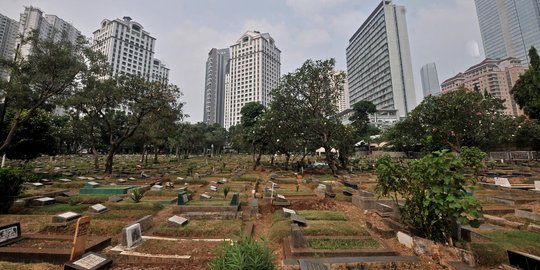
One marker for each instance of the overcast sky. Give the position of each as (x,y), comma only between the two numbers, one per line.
(442,31)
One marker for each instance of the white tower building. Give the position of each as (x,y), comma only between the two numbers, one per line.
(8,39)
(254,72)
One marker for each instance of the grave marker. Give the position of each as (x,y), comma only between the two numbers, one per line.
(82,230)
(503,182)
(205,197)
(309,265)
(183,198)
(298,240)
(115,199)
(213,188)
(405,239)
(131,235)
(90,261)
(98,208)
(43,201)
(157,187)
(235,200)
(300,220)
(64,218)
(536,185)
(176,221)
(37,184)
(288,212)
(64,180)
(10,233)
(523,260)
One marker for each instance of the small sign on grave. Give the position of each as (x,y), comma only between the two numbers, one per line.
(121,180)
(98,208)
(10,233)
(235,200)
(82,229)
(131,235)
(89,261)
(176,221)
(300,220)
(288,212)
(183,198)
(206,197)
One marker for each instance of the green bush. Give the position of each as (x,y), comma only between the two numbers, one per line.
(11,181)
(136,195)
(244,254)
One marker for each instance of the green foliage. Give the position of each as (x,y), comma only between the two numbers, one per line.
(526,91)
(391,177)
(136,195)
(333,244)
(244,254)
(473,158)
(11,185)
(434,193)
(226,190)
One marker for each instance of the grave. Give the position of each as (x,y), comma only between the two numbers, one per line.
(536,186)
(131,235)
(64,218)
(45,181)
(288,212)
(121,180)
(523,260)
(82,229)
(98,209)
(64,180)
(10,233)
(280,200)
(89,261)
(176,221)
(205,196)
(300,220)
(213,188)
(157,188)
(297,238)
(115,199)
(106,190)
(37,184)
(91,184)
(43,201)
(347,193)
(183,198)
(350,184)
(312,265)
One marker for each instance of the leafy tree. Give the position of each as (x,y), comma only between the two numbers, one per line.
(36,81)
(528,134)
(11,185)
(434,192)
(526,91)
(254,132)
(456,119)
(473,158)
(244,254)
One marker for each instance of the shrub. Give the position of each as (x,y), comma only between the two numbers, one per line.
(136,195)
(11,181)
(226,191)
(244,254)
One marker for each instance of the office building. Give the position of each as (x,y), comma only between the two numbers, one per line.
(497,77)
(343,99)
(214,87)
(379,61)
(8,39)
(129,49)
(509,28)
(254,70)
(430,80)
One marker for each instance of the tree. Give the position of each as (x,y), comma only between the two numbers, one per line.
(254,130)
(11,184)
(47,73)
(455,119)
(526,91)
(434,192)
(307,96)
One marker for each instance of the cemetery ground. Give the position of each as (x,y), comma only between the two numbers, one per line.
(183,215)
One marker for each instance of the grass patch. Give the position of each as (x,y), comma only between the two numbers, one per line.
(245,178)
(27,266)
(60,208)
(333,228)
(152,206)
(202,228)
(333,244)
(494,252)
(279,230)
(210,202)
(293,192)
(123,215)
(322,215)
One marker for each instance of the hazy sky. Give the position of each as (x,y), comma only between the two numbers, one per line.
(442,31)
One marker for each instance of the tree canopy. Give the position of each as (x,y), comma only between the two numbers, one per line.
(526,91)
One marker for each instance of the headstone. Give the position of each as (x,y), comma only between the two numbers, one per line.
(180,178)
(329,188)
(82,229)
(81,178)
(310,265)
(502,182)
(98,208)
(37,184)
(176,221)
(205,197)
(131,179)
(157,188)
(92,184)
(89,261)
(273,176)
(121,180)
(273,185)
(43,201)
(300,220)
(115,199)
(64,180)
(298,240)
(183,189)
(350,184)
(45,181)
(131,235)
(288,212)
(235,200)
(10,233)
(537,185)
(65,218)
(183,198)
(347,193)
(523,260)
(281,198)
(213,188)
(405,239)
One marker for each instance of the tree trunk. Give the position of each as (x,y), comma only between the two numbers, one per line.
(96,157)
(156,151)
(257,160)
(110,157)
(272,159)
(330,159)
(11,133)
(142,156)
(287,158)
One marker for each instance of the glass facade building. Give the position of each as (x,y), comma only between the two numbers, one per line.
(214,90)
(509,27)
(430,80)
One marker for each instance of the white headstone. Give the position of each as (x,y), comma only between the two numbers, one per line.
(157,187)
(121,180)
(224,180)
(177,221)
(281,197)
(90,178)
(179,178)
(68,215)
(92,183)
(502,182)
(206,196)
(537,185)
(37,184)
(405,239)
(45,199)
(133,235)
(64,180)
(98,207)
(213,188)
(81,178)
(89,261)
(288,211)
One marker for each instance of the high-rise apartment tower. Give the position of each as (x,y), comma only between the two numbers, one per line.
(430,80)
(214,86)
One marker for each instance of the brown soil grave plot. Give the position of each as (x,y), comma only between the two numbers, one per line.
(29,223)
(204,249)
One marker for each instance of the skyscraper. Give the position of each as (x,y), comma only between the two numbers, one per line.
(129,49)
(254,70)
(379,61)
(430,80)
(509,28)
(8,39)
(214,86)
(46,25)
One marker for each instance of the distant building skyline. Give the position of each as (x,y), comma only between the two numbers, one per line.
(379,61)
(217,66)
(430,80)
(509,28)
(254,70)
(497,77)
(8,38)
